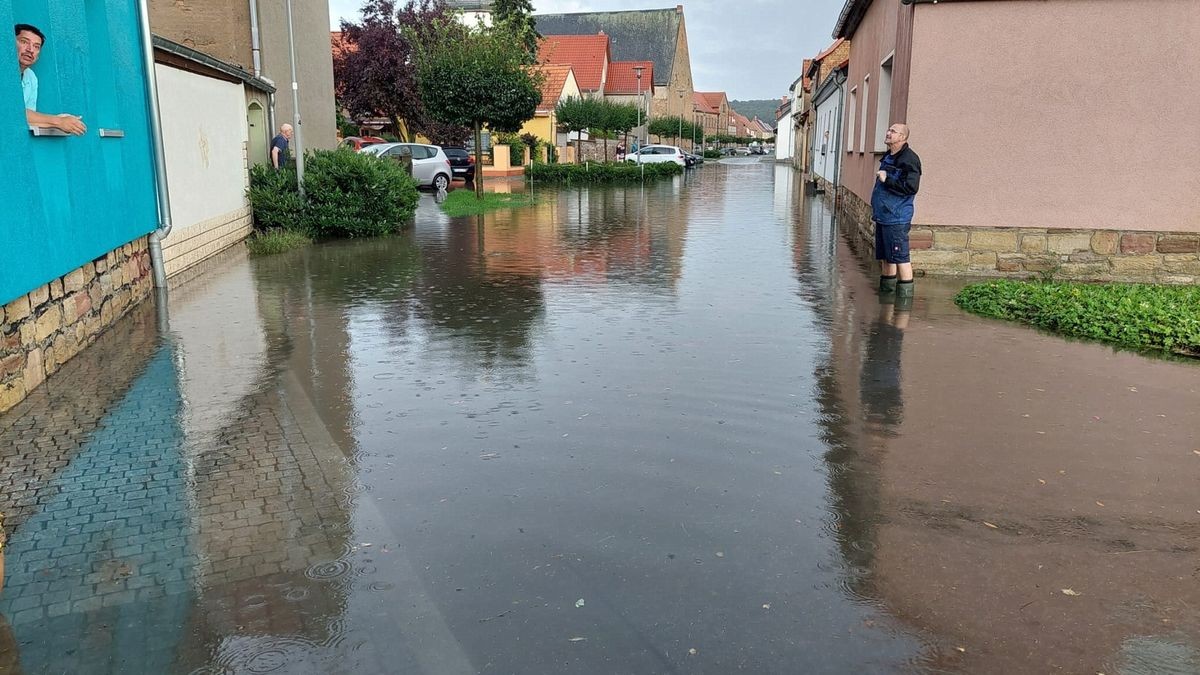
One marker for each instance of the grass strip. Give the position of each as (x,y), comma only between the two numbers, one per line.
(1139,316)
(464,203)
(275,241)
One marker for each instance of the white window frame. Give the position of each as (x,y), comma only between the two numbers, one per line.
(851,118)
(883,105)
(862,124)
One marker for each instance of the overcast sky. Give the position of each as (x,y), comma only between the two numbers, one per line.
(750,49)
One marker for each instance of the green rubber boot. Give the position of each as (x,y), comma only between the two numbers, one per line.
(887,284)
(904,289)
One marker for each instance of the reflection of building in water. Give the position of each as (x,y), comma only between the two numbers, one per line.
(1004,482)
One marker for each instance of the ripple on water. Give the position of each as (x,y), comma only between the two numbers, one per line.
(329,570)
(264,654)
(1150,655)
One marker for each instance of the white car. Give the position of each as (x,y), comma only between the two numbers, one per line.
(651,154)
(430,165)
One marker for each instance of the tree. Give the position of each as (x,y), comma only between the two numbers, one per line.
(516,16)
(616,118)
(476,77)
(374,70)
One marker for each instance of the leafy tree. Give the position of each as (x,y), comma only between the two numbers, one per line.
(516,16)
(476,77)
(374,70)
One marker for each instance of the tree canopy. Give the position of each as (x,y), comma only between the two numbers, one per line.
(475,77)
(375,74)
(516,16)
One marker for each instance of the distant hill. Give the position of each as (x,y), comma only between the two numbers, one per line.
(765,109)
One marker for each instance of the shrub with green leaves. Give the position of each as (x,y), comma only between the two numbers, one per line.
(600,172)
(347,194)
(712,154)
(1140,316)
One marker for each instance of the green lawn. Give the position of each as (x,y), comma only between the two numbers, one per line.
(464,203)
(1140,316)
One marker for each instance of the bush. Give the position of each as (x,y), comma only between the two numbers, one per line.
(348,194)
(1139,316)
(712,154)
(600,172)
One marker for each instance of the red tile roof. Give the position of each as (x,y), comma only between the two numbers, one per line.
(586,54)
(708,101)
(554,78)
(622,79)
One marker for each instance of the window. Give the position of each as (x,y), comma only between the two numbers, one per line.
(883,111)
(862,124)
(850,118)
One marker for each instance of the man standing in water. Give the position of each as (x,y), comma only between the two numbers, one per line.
(896,186)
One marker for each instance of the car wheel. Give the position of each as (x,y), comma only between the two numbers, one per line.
(441,182)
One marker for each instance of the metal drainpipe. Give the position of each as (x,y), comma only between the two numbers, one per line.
(255,48)
(837,159)
(160,160)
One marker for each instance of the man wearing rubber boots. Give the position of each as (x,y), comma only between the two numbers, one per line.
(896,185)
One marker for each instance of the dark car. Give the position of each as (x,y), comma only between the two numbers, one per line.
(461,162)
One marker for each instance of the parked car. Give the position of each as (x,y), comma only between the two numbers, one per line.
(357,143)
(694,159)
(430,165)
(461,162)
(742,152)
(652,154)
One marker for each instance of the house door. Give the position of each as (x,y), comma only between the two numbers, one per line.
(257,120)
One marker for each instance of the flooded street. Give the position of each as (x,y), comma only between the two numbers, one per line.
(659,430)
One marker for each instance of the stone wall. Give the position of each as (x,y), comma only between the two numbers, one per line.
(43,329)
(1070,254)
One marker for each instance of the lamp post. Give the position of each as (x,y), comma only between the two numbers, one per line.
(298,129)
(637,70)
(680,135)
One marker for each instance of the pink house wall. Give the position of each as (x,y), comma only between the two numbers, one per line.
(1058,114)
(872,41)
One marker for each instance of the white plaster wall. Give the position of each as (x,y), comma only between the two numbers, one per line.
(204,129)
(824,163)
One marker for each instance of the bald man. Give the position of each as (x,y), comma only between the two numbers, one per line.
(896,185)
(279,147)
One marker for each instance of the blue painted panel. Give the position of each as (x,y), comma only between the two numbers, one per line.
(67,201)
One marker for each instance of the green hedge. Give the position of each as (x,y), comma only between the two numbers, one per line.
(347,194)
(1165,318)
(600,172)
(712,154)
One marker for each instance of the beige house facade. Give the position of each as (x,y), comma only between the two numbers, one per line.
(1045,151)
(223,28)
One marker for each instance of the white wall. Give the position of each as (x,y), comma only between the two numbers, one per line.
(826,140)
(204,138)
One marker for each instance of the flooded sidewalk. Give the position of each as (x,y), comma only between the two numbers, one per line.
(669,429)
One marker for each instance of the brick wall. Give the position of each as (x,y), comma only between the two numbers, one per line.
(1075,254)
(44,328)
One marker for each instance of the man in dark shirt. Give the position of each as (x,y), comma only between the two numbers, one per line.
(279,147)
(896,185)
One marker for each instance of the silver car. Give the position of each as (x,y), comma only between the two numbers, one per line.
(430,165)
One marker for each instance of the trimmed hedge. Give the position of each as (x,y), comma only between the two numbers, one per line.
(347,194)
(1140,316)
(600,172)
(712,154)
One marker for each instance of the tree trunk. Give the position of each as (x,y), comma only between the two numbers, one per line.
(478,160)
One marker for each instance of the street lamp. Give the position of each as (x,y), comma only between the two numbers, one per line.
(680,135)
(637,70)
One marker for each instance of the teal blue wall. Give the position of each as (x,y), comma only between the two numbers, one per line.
(65,201)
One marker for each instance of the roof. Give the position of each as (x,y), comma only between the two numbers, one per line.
(851,16)
(829,50)
(623,79)
(186,58)
(638,35)
(709,101)
(554,78)
(586,54)
(471,5)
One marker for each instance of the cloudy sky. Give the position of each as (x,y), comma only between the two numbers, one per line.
(751,49)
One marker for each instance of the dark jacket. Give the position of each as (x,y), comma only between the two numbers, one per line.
(892,201)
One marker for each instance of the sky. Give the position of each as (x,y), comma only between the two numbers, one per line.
(750,49)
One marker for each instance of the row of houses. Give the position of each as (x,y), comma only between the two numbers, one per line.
(1049,131)
(180,98)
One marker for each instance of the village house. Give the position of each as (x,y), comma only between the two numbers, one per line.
(1036,158)
(655,35)
(712,112)
(558,83)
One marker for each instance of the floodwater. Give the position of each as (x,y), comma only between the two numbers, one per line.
(659,430)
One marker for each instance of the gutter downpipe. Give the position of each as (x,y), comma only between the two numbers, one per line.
(256,53)
(160,160)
